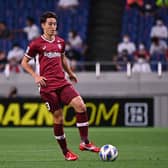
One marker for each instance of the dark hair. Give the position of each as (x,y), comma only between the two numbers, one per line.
(46,15)
(13,92)
(155,40)
(16,44)
(74,32)
(3,22)
(30,19)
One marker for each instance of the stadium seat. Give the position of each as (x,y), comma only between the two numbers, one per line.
(138,27)
(15,15)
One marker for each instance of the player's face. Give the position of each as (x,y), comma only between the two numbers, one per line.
(50,26)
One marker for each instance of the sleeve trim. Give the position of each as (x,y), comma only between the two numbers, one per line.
(28,56)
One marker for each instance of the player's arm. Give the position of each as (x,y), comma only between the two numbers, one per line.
(40,80)
(67,68)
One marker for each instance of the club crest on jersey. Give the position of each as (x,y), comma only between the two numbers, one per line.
(52,54)
(60,46)
(44,48)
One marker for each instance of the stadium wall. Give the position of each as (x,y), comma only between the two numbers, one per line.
(108,85)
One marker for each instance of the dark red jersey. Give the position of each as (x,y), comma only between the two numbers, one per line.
(49,55)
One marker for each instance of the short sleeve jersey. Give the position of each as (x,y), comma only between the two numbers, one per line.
(49,58)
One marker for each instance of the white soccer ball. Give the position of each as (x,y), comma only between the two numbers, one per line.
(108,152)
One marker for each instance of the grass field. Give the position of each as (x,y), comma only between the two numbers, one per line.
(36,148)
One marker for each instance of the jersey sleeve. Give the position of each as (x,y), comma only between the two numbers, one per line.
(62,46)
(31,50)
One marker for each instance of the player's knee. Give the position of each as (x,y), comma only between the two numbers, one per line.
(58,120)
(78,104)
(58,117)
(81,107)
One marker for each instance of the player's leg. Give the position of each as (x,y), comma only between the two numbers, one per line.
(70,96)
(53,105)
(59,131)
(60,135)
(81,117)
(82,123)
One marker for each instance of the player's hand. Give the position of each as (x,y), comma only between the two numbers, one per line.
(40,80)
(73,78)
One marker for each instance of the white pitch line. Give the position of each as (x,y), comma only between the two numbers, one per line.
(35,151)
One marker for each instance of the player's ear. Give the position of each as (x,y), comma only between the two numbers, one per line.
(57,24)
(42,25)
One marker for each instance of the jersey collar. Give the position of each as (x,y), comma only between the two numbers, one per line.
(48,40)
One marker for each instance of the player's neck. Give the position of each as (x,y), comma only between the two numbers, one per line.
(49,38)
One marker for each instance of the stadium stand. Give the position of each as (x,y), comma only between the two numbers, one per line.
(102,36)
(14,13)
(138,26)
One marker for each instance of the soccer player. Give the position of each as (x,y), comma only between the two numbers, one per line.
(55,89)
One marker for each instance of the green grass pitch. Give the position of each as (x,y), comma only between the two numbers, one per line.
(37,148)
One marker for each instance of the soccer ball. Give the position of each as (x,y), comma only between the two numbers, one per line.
(108,152)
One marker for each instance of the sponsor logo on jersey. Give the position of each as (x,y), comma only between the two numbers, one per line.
(52,54)
(59,46)
(44,48)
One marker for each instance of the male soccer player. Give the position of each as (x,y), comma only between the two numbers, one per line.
(54,87)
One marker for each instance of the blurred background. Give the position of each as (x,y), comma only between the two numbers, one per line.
(118,48)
